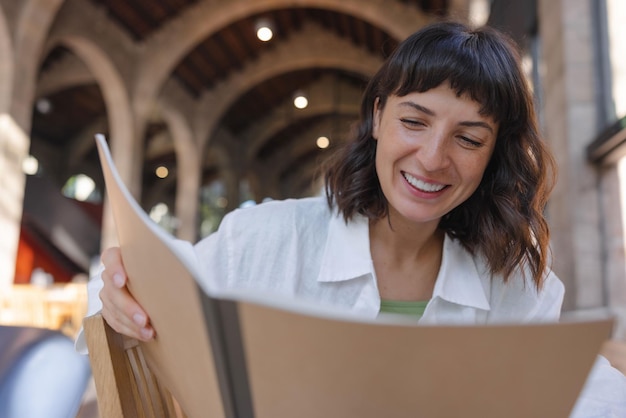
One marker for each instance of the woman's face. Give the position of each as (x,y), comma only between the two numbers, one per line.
(432,151)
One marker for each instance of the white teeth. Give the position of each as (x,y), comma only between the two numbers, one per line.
(422,185)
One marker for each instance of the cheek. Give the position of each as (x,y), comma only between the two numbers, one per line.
(473,169)
(475,172)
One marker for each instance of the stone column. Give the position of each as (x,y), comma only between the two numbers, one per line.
(614,176)
(616,13)
(22,34)
(13,149)
(569,115)
(189,173)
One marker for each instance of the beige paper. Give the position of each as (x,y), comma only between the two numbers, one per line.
(181,355)
(306,367)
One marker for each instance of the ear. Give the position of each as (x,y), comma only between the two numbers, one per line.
(376,114)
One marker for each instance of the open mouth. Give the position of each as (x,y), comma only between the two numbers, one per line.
(422,185)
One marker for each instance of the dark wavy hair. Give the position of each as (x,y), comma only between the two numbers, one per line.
(503,219)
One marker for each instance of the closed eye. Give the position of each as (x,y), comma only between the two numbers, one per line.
(412,122)
(470,142)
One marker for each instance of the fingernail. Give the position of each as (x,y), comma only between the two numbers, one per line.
(146,333)
(139,319)
(118,279)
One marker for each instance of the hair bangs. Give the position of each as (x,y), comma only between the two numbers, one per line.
(471,68)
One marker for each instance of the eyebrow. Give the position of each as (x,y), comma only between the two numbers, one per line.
(479,124)
(429,112)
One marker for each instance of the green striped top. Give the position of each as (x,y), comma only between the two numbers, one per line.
(411,308)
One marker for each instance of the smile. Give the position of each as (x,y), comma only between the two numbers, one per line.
(422,185)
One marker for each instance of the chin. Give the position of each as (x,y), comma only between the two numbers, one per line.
(421,217)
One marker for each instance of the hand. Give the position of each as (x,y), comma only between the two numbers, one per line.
(119,308)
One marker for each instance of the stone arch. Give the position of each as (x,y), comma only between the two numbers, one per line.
(116,100)
(322,101)
(119,113)
(70,72)
(164,50)
(306,141)
(287,57)
(188,170)
(277,166)
(29,43)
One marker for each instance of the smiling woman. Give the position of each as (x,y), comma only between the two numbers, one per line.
(432,151)
(464,111)
(435,205)
(430,158)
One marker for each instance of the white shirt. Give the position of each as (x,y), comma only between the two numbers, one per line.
(301,249)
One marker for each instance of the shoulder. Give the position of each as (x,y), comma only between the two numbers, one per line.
(518,298)
(304,211)
(255,246)
(278,221)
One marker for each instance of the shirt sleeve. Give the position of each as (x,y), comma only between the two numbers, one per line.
(549,300)
(604,393)
(94,305)
(214,257)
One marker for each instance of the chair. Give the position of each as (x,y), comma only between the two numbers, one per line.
(125,385)
(41,375)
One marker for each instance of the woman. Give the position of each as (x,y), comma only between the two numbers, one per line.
(434,208)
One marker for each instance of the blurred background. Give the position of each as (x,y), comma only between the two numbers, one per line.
(216,104)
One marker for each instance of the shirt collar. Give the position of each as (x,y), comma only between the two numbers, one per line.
(347,256)
(347,251)
(459,279)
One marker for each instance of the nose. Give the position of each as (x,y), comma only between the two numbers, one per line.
(434,153)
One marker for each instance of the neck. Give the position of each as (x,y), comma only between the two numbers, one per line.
(406,258)
(405,240)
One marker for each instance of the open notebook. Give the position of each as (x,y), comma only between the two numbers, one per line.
(236,354)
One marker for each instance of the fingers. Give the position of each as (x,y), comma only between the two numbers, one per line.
(113,266)
(119,308)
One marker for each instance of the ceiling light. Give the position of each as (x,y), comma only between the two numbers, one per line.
(299,100)
(44,106)
(322,142)
(264,29)
(162,172)
(30,165)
